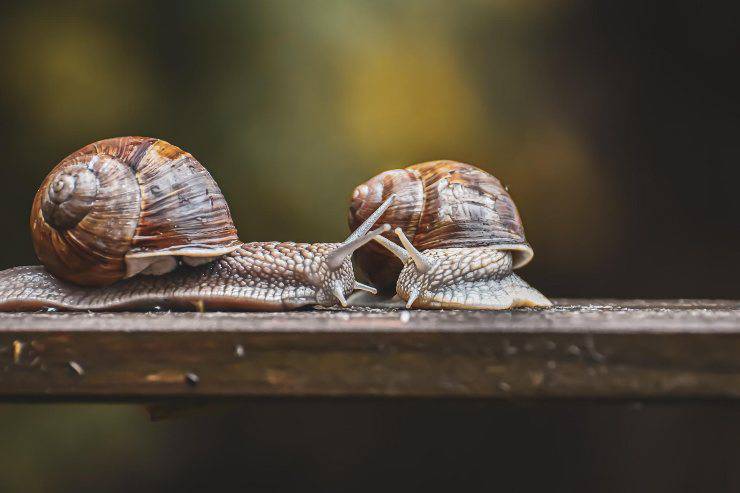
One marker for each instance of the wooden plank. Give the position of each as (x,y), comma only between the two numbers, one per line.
(578,349)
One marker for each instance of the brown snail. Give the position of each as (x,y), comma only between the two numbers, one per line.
(460,237)
(119,209)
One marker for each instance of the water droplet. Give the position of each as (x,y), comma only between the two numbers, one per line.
(17,351)
(405,317)
(504,386)
(239,351)
(50,309)
(76,367)
(192,379)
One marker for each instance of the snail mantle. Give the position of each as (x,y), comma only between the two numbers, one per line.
(589,349)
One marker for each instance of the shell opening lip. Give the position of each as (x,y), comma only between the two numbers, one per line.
(522,253)
(149,262)
(186,251)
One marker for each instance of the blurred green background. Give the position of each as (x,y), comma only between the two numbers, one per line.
(610,124)
(614,124)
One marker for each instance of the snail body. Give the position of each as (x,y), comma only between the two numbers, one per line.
(459,238)
(112,221)
(259,276)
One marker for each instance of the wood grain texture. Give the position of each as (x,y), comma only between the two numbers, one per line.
(578,349)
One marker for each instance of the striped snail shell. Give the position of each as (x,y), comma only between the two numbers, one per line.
(439,204)
(128,205)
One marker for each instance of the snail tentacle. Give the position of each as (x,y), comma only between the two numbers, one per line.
(364,287)
(361,236)
(339,293)
(396,250)
(372,219)
(412,297)
(345,250)
(423,265)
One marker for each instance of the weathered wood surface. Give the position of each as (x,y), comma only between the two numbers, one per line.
(579,349)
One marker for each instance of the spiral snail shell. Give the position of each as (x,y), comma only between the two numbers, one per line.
(461,235)
(127,205)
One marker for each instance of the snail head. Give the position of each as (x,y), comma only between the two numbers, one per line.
(338,280)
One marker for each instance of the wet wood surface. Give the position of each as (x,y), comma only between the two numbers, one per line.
(589,349)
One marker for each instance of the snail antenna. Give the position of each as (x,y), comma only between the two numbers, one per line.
(395,249)
(368,223)
(336,288)
(412,297)
(336,257)
(364,287)
(422,263)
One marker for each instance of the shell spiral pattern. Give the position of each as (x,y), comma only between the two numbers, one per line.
(118,206)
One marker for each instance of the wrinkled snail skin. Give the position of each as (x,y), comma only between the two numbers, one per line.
(462,237)
(468,278)
(258,276)
(270,276)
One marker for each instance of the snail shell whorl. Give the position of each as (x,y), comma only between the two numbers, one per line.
(69,197)
(123,199)
(439,204)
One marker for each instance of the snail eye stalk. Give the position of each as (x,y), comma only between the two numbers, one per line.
(360,236)
(336,258)
(364,287)
(368,223)
(338,294)
(423,264)
(396,250)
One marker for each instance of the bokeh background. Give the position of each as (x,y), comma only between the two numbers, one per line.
(615,125)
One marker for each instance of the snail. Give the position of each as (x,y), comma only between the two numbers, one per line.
(460,237)
(114,222)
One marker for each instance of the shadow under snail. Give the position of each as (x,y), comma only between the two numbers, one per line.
(459,238)
(127,206)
